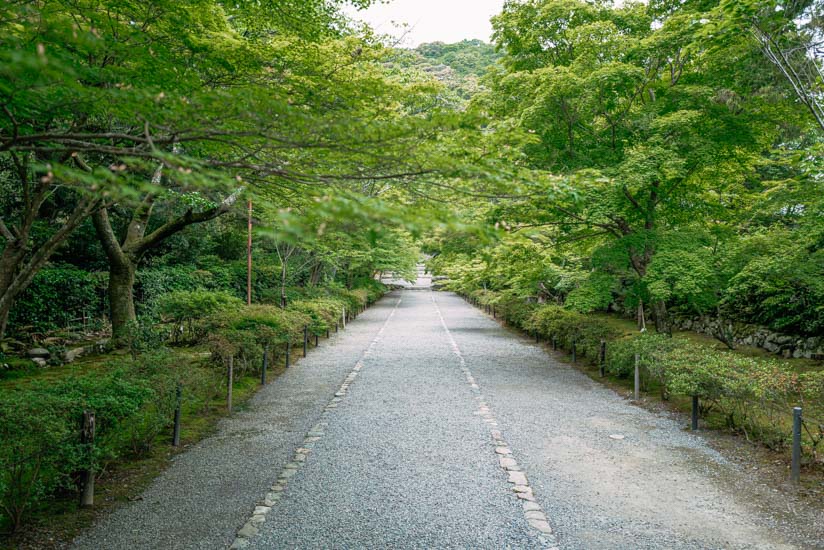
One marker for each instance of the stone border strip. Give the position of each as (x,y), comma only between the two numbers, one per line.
(533,512)
(275,493)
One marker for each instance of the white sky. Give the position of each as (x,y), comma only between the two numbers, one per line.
(432,20)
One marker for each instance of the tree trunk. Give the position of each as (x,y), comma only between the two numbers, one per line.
(121,297)
(659,312)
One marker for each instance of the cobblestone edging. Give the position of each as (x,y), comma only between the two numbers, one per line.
(275,493)
(533,512)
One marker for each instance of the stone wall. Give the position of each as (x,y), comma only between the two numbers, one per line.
(785,345)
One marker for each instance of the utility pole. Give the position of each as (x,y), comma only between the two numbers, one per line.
(249,259)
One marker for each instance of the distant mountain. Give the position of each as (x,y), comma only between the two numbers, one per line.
(468,57)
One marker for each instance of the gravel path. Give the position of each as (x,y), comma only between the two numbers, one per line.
(427,425)
(202,499)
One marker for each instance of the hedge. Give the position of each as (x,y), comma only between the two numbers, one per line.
(752,395)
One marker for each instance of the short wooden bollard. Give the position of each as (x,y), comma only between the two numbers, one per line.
(327,333)
(317,340)
(87,428)
(288,353)
(231,383)
(537,337)
(554,343)
(336,328)
(574,351)
(264,366)
(694,420)
(602,359)
(305,339)
(343,319)
(178,404)
(637,375)
(795,468)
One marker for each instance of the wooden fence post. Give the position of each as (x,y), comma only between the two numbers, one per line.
(178,405)
(87,429)
(231,382)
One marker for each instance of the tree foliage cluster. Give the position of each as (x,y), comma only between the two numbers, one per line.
(681,167)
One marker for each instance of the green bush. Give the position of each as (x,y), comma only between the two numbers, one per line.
(184,307)
(243,333)
(57,298)
(324,313)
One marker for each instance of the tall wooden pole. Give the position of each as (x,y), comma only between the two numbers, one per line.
(249,259)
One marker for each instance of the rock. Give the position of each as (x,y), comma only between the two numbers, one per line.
(503,450)
(531,506)
(239,543)
(616,436)
(247,531)
(40,362)
(518,478)
(40,353)
(507,462)
(535,514)
(261,510)
(72,354)
(541,526)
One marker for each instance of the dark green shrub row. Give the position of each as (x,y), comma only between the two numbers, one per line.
(751,395)
(40,446)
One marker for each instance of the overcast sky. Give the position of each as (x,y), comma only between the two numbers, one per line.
(433,20)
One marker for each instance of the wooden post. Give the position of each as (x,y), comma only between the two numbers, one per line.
(265,365)
(317,340)
(795,468)
(305,338)
(574,351)
(87,429)
(637,375)
(343,319)
(602,360)
(288,352)
(178,404)
(231,382)
(694,423)
(249,259)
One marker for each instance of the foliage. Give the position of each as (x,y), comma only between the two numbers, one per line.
(183,308)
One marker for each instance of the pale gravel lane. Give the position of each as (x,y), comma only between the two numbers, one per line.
(206,495)
(406,462)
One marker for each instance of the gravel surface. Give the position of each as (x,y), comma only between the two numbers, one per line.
(202,499)
(404,461)
(398,436)
(658,487)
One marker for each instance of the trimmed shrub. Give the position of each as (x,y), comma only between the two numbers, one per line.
(184,307)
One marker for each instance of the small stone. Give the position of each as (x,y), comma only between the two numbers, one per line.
(272,497)
(239,543)
(526,496)
(248,530)
(257,519)
(531,506)
(39,352)
(507,462)
(292,466)
(302,450)
(299,457)
(503,450)
(278,487)
(518,478)
(541,526)
(267,502)
(616,436)
(72,354)
(261,510)
(286,474)
(40,362)
(311,439)
(535,514)
(496,434)
(522,488)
